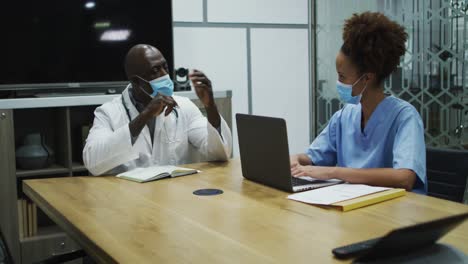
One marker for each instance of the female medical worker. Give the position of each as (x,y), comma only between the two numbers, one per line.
(375,139)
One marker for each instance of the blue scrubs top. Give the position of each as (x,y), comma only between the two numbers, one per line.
(392,138)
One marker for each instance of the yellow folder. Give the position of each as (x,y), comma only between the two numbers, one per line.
(369,199)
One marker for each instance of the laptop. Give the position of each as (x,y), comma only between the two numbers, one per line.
(264,153)
(410,241)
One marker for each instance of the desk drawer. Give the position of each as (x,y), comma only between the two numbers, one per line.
(39,248)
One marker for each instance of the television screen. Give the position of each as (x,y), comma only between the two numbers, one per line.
(78,41)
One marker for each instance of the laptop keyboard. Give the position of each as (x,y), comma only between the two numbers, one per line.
(299,181)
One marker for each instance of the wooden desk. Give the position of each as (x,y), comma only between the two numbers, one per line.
(116,220)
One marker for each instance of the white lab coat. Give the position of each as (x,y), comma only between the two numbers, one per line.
(184,139)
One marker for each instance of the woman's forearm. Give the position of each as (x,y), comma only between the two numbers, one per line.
(302,159)
(398,178)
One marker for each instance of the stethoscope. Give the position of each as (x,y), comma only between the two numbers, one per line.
(127,110)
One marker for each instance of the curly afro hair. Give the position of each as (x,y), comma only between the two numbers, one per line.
(373,43)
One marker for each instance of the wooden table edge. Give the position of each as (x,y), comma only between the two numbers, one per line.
(88,245)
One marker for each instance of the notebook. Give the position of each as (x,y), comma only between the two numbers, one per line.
(155,173)
(369,199)
(347,196)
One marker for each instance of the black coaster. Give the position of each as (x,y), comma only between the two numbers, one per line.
(208,192)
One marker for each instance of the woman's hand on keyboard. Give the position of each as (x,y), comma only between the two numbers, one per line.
(317,172)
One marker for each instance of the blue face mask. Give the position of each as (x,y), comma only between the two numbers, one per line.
(163,85)
(345,91)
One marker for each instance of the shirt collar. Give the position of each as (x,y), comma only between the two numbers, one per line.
(138,105)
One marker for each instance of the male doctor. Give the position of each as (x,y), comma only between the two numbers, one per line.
(148,125)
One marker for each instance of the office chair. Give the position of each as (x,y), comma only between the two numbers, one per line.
(447,173)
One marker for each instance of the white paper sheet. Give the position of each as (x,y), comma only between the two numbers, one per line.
(335,193)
